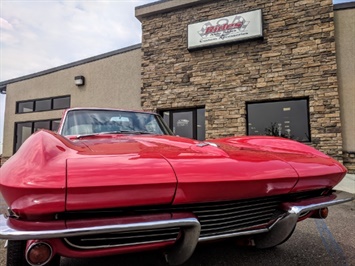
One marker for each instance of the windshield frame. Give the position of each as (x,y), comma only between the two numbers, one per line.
(163,129)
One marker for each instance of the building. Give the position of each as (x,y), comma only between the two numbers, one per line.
(37,101)
(215,69)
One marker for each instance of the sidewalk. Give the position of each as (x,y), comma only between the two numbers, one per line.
(347,184)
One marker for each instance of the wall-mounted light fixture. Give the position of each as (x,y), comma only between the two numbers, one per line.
(3,90)
(79,80)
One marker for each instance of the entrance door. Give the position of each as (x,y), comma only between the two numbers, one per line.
(182,124)
(189,123)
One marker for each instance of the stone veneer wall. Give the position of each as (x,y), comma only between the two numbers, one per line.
(295,59)
(349,161)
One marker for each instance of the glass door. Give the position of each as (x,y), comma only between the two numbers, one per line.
(183,124)
(189,123)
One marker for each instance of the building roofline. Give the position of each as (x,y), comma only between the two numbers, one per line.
(342,6)
(164,6)
(70,65)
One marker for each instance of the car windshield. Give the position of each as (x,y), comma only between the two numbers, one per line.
(89,122)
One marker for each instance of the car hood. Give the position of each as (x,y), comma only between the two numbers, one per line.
(51,174)
(146,169)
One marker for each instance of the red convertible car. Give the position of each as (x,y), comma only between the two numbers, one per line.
(113,181)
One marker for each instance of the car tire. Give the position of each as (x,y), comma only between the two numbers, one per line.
(16,254)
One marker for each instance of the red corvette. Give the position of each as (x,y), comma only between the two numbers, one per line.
(114,181)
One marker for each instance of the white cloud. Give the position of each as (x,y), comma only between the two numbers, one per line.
(37,35)
(4,24)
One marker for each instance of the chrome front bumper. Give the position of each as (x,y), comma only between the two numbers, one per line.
(187,222)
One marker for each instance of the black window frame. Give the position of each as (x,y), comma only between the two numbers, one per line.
(32,128)
(34,101)
(194,118)
(282,100)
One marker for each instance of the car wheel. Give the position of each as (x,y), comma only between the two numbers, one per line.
(16,254)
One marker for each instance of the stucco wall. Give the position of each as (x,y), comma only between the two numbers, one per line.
(110,82)
(345,47)
(296,58)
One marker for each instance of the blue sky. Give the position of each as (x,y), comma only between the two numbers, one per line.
(41,34)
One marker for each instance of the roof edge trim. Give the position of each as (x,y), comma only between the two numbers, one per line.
(341,6)
(164,6)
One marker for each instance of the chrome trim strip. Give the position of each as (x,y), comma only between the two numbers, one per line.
(178,254)
(139,237)
(115,246)
(6,232)
(241,233)
(337,197)
(229,226)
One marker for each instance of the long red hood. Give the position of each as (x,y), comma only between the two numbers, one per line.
(232,168)
(112,171)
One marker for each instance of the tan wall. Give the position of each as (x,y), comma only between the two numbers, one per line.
(110,82)
(345,47)
(345,51)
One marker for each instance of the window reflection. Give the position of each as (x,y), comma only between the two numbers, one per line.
(25,107)
(61,103)
(288,119)
(43,105)
(189,123)
(23,131)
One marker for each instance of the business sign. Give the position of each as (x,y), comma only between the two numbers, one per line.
(235,28)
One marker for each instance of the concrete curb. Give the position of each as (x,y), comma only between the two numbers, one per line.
(347,184)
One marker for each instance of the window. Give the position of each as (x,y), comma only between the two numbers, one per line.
(289,119)
(61,103)
(25,107)
(41,125)
(24,129)
(189,123)
(55,125)
(47,104)
(43,105)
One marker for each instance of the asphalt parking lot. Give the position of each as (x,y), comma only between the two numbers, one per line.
(315,242)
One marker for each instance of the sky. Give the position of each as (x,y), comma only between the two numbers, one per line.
(36,35)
